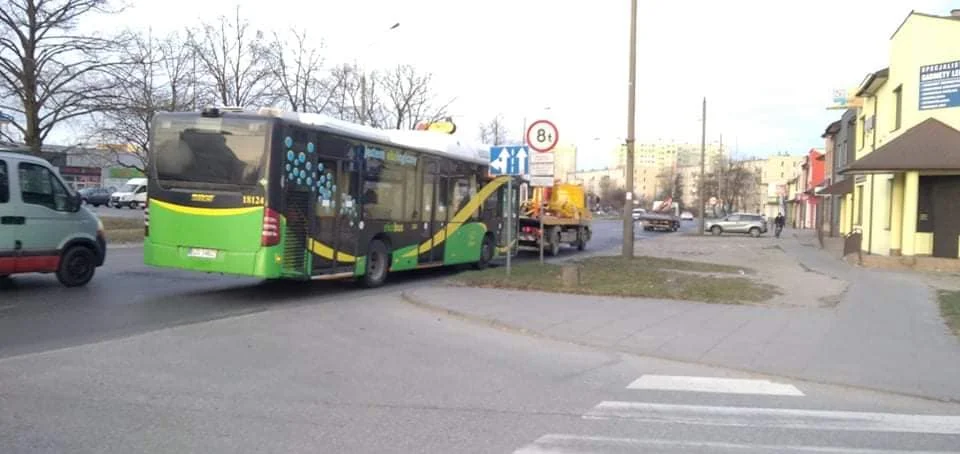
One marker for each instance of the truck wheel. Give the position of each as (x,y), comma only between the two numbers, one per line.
(583,235)
(555,243)
(77,267)
(486,253)
(378,263)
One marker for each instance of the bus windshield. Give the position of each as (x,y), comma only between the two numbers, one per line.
(199,152)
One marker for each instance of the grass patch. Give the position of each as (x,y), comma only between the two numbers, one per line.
(125,235)
(646,277)
(950,309)
(118,223)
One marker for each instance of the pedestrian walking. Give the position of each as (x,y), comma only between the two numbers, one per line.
(778,223)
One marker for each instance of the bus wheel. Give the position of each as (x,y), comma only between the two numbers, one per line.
(378,262)
(486,253)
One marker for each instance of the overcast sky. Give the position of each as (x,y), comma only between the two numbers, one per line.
(766,67)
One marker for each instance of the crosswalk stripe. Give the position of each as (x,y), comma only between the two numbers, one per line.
(714,385)
(570,444)
(775,418)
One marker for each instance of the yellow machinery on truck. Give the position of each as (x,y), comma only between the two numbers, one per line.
(564,214)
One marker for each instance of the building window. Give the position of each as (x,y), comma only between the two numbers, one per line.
(898,96)
(863,132)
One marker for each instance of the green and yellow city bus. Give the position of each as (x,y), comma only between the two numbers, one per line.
(285,195)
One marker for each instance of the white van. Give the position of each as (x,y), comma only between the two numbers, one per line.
(133,194)
(44,227)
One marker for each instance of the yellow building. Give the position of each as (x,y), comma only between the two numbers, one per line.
(775,173)
(907,168)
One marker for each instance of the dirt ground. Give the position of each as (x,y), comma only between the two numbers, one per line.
(799,286)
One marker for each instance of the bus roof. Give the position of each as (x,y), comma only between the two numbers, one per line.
(432,142)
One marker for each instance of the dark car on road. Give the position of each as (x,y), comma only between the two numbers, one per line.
(96,196)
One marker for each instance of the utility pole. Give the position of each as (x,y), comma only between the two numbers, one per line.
(703,166)
(631,125)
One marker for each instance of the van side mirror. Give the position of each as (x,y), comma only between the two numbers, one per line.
(74,202)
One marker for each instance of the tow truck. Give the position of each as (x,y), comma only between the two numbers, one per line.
(562,209)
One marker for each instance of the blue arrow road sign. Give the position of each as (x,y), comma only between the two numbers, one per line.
(512,160)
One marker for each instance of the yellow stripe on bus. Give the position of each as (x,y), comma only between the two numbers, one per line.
(462,215)
(204,211)
(328,252)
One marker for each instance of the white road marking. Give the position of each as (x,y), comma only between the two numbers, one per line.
(776,418)
(714,385)
(570,444)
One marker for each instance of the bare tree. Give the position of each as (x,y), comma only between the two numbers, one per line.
(356,95)
(160,80)
(494,132)
(297,67)
(410,98)
(48,73)
(235,61)
(732,183)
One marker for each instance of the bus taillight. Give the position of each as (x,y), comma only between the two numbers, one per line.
(270,235)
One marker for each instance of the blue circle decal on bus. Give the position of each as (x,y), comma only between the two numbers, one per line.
(309,181)
(303,173)
(309,166)
(288,167)
(288,142)
(289,155)
(303,157)
(320,166)
(299,181)
(310,147)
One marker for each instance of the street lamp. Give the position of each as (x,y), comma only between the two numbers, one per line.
(631,125)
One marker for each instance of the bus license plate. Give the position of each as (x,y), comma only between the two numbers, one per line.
(202,253)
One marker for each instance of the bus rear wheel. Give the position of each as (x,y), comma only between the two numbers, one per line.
(378,262)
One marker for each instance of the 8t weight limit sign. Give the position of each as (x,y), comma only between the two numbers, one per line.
(542,136)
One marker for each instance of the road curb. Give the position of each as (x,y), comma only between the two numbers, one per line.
(408,297)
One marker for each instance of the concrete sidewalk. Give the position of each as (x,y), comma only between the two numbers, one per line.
(885,334)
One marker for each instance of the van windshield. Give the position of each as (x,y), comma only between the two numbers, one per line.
(128,187)
(200,152)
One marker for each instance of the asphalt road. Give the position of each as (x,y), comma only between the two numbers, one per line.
(375,375)
(127,364)
(108,212)
(126,297)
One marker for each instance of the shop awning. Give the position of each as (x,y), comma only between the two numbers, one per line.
(842,187)
(928,146)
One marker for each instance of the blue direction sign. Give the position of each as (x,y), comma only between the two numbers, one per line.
(511,160)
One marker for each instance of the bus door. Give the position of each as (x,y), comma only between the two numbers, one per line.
(335,220)
(428,211)
(296,211)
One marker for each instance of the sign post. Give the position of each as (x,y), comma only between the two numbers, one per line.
(542,136)
(512,161)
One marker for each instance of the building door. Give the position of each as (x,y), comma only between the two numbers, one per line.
(946,217)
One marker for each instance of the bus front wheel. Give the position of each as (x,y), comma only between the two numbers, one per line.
(378,262)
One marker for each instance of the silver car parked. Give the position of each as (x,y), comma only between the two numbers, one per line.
(753,224)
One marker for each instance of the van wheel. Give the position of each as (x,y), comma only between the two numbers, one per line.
(76,267)
(486,253)
(378,262)
(134,205)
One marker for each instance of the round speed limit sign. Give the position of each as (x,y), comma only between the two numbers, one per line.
(542,136)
